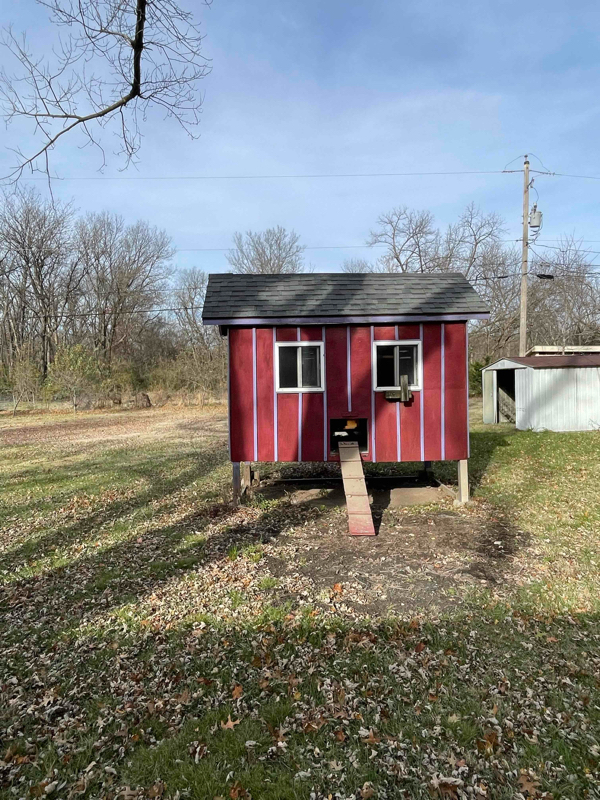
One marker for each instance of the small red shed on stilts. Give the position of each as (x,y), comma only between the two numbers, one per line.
(318,359)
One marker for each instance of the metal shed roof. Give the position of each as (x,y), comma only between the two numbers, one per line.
(328,297)
(551,362)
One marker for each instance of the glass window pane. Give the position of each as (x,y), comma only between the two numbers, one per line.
(288,367)
(407,356)
(311,367)
(385,365)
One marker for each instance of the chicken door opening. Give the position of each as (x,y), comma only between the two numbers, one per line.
(348,430)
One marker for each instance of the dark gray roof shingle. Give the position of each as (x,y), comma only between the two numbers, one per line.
(324,294)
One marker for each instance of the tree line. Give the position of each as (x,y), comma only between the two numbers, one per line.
(93,309)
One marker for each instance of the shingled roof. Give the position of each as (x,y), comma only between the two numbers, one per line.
(329,297)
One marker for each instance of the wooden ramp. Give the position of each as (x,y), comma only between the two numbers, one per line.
(360,521)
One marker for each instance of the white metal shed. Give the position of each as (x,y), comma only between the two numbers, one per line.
(546,392)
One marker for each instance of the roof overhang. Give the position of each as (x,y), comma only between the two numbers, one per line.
(354,320)
(505,363)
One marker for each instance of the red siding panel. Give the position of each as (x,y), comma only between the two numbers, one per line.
(408,332)
(265,393)
(312,426)
(287,334)
(456,419)
(382,333)
(287,426)
(432,396)
(311,333)
(386,441)
(241,394)
(360,363)
(336,366)
(410,429)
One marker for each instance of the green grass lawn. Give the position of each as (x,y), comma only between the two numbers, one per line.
(149,650)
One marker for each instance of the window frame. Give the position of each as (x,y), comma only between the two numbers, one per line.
(414,387)
(300,389)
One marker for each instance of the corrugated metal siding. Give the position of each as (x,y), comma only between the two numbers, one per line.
(558,399)
(522,399)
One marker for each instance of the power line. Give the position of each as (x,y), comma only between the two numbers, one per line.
(271,177)
(358,246)
(554,247)
(315,175)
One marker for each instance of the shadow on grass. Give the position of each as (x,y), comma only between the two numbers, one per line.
(161,481)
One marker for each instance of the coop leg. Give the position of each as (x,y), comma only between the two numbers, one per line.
(237,483)
(427,472)
(246,477)
(463,481)
(255,477)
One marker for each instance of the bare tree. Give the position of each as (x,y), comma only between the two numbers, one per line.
(274,251)
(409,237)
(119,59)
(469,245)
(24,378)
(126,269)
(360,265)
(46,273)
(499,282)
(413,243)
(201,365)
(565,310)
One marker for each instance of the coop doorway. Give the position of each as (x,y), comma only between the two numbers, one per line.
(506,410)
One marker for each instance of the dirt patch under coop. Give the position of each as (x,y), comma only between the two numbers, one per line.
(423,559)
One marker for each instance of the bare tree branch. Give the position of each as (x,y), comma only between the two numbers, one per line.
(119,58)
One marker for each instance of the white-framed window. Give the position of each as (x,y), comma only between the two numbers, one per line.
(299,366)
(393,359)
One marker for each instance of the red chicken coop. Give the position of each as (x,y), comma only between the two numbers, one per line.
(352,367)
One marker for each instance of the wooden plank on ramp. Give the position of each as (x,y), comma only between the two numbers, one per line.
(360,521)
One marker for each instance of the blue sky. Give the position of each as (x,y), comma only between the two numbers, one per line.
(325,86)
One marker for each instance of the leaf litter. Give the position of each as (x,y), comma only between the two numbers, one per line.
(129,641)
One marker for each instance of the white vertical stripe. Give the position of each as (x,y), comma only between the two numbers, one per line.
(299,426)
(467,359)
(254,394)
(348,368)
(373,453)
(275,442)
(325,420)
(298,333)
(228,394)
(422,401)
(398,445)
(443,393)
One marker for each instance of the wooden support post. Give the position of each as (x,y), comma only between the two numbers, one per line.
(255,477)
(237,483)
(426,472)
(241,480)
(246,477)
(463,481)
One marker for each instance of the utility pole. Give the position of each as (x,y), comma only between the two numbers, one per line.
(524,261)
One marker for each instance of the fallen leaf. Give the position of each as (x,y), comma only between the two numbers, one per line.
(371,738)
(528,784)
(230,724)
(237,691)
(237,792)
